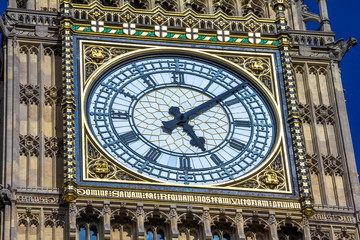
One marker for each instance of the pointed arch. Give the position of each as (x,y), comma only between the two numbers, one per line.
(199,6)
(169,5)
(255,6)
(227,6)
(141,4)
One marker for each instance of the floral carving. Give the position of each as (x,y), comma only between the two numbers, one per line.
(325,114)
(52,146)
(100,167)
(54,220)
(272,177)
(260,67)
(333,165)
(305,114)
(227,6)
(312,163)
(52,95)
(169,5)
(29,94)
(29,145)
(28,218)
(319,235)
(95,56)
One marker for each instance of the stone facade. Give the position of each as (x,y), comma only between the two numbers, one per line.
(36,200)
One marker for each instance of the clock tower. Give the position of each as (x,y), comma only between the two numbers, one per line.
(174,120)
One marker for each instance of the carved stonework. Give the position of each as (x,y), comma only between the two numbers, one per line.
(312,163)
(260,67)
(141,4)
(54,220)
(52,95)
(29,94)
(198,6)
(320,235)
(28,218)
(344,234)
(101,168)
(304,111)
(52,146)
(325,114)
(227,6)
(21,3)
(253,6)
(333,165)
(95,56)
(5,195)
(339,48)
(272,177)
(333,217)
(169,5)
(29,145)
(20,198)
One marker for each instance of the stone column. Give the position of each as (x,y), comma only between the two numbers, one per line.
(72,221)
(273,227)
(174,223)
(346,136)
(239,222)
(12,4)
(296,15)
(324,16)
(206,222)
(306,228)
(107,214)
(30,4)
(140,219)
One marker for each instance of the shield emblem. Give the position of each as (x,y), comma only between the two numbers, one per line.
(129,28)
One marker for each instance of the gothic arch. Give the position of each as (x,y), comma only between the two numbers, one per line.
(141,4)
(199,6)
(255,6)
(227,6)
(169,5)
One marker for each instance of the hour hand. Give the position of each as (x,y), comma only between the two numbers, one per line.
(169,126)
(195,140)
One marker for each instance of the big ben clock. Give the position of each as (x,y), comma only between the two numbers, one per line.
(181,119)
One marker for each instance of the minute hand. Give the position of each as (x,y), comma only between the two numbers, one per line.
(193,113)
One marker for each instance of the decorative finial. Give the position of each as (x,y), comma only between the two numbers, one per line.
(218,6)
(157,2)
(188,3)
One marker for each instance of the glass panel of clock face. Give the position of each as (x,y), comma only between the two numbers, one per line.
(181,120)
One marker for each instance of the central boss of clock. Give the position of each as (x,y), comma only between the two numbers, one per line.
(181,120)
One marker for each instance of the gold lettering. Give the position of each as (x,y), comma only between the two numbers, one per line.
(226,201)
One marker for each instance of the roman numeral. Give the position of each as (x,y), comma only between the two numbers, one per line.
(178,77)
(232,102)
(237,145)
(216,159)
(152,155)
(148,80)
(185,163)
(240,123)
(129,137)
(119,114)
(127,94)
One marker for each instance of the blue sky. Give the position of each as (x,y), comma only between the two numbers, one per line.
(344,22)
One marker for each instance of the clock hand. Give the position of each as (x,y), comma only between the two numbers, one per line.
(193,113)
(169,126)
(195,140)
(178,120)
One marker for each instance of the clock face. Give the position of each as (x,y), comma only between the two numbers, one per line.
(181,120)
